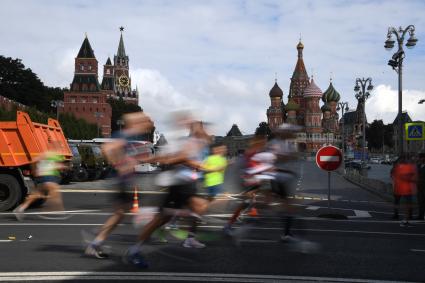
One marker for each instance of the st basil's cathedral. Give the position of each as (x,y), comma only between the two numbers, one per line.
(320,124)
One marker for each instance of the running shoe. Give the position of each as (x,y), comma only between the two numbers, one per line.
(95,251)
(19,213)
(288,239)
(191,242)
(135,259)
(405,224)
(227,230)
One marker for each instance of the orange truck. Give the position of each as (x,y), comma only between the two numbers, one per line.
(21,142)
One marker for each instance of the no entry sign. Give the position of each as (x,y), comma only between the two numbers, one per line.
(329,158)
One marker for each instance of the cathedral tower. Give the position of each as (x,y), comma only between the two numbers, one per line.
(275,112)
(299,82)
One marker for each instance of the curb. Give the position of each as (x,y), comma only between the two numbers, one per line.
(384,196)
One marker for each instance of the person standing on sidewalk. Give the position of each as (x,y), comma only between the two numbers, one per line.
(404,175)
(421,186)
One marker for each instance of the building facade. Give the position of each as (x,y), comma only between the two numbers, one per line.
(409,146)
(303,108)
(87,98)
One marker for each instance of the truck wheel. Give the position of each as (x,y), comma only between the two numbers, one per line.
(81,176)
(10,192)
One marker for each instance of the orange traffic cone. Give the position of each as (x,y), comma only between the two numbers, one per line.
(253,212)
(135,207)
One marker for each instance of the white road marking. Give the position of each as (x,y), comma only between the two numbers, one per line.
(329,158)
(312,207)
(416,250)
(169,276)
(220,227)
(360,214)
(5,241)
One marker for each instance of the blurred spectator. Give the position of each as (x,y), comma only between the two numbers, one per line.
(404,176)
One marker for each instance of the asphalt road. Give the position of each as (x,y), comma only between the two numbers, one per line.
(364,246)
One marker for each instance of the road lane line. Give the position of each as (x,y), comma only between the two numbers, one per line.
(417,250)
(360,214)
(220,227)
(313,208)
(170,276)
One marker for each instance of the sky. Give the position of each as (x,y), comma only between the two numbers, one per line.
(220,58)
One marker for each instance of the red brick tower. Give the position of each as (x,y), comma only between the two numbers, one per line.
(275,112)
(299,82)
(85,99)
(122,79)
(108,83)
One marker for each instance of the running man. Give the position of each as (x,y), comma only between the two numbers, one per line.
(123,157)
(214,167)
(249,183)
(46,170)
(182,158)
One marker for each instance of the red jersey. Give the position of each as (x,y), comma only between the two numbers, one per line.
(404,177)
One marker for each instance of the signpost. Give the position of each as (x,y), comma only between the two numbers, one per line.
(415,131)
(329,158)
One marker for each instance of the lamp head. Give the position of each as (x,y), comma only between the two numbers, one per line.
(389,43)
(411,42)
(357,87)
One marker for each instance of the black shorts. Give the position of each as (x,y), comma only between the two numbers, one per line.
(125,191)
(179,195)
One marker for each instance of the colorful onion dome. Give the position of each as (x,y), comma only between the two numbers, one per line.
(326,108)
(292,105)
(276,91)
(312,90)
(331,95)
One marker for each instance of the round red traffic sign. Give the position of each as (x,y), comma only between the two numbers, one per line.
(329,158)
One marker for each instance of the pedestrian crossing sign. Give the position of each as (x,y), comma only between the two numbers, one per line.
(414,131)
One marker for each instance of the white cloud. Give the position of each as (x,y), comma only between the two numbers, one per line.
(383,104)
(222,101)
(220,57)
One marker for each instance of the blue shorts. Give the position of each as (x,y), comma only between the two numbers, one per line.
(214,190)
(47,179)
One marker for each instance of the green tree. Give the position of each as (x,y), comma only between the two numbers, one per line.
(377,134)
(120,107)
(74,128)
(263,129)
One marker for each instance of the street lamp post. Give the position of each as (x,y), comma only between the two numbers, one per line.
(397,64)
(98,115)
(362,88)
(56,104)
(343,106)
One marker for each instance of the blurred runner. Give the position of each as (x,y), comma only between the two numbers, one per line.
(214,167)
(46,170)
(249,183)
(182,157)
(283,146)
(123,157)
